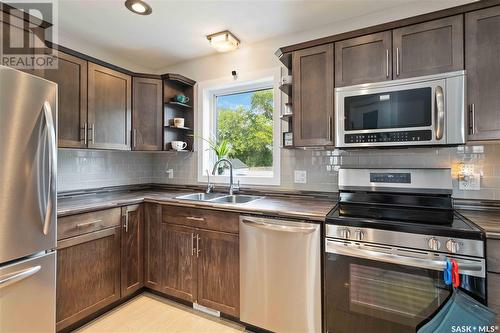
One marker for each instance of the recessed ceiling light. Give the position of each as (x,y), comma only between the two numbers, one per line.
(223,41)
(138,7)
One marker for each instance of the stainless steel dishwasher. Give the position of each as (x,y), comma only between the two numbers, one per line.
(280,274)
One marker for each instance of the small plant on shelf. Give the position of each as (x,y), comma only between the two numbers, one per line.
(221,147)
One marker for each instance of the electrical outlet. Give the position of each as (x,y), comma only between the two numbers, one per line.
(170,173)
(300,176)
(469,179)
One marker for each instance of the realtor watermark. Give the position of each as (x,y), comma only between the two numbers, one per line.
(27,25)
(474,329)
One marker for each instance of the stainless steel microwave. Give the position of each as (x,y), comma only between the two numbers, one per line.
(426,110)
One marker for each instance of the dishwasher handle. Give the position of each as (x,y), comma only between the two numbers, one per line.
(279,225)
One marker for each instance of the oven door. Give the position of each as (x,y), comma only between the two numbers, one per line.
(370,288)
(410,112)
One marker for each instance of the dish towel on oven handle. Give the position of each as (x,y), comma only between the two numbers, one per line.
(460,310)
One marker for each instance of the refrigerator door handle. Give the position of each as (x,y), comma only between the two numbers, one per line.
(51,134)
(12,278)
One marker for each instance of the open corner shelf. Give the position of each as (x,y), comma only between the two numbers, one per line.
(179,128)
(180,105)
(286,88)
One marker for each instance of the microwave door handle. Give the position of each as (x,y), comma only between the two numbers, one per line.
(439,112)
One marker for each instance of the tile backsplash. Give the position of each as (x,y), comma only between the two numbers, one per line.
(81,169)
(86,169)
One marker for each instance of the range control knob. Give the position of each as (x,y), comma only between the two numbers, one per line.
(345,233)
(452,246)
(359,235)
(434,244)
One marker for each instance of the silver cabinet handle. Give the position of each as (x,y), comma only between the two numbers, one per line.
(125,225)
(92,135)
(472,125)
(12,278)
(51,133)
(84,139)
(87,224)
(397,61)
(134,138)
(279,225)
(192,244)
(466,266)
(197,245)
(195,218)
(439,112)
(330,123)
(387,63)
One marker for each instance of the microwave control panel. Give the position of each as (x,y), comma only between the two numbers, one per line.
(399,136)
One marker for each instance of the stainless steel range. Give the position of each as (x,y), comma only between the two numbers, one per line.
(386,244)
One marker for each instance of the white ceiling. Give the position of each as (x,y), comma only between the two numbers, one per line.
(176,30)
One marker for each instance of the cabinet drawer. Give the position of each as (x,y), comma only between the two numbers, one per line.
(493,253)
(75,225)
(201,218)
(494,292)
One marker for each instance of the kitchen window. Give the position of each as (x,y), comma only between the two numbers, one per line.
(240,118)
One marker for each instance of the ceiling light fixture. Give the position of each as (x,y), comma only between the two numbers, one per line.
(138,7)
(223,41)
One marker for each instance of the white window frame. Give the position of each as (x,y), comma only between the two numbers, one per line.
(206,122)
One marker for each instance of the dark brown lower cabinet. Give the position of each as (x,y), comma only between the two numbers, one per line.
(132,269)
(218,271)
(200,265)
(178,261)
(88,274)
(152,246)
(494,292)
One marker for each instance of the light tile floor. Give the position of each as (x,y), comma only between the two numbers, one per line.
(149,313)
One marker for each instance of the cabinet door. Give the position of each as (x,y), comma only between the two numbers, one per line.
(482,48)
(88,275)
(109,105)
(132,271)
(494,292)
(179,265)
(429,48)
(312,71)
(218,271)
(147,122)
(363,59)
(71,79)
(153,255)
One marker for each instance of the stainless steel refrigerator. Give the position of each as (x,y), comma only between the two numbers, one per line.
(28,164)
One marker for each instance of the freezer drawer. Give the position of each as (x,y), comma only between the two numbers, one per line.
(280,275)
(28,295)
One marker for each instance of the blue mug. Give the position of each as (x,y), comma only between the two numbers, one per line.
(180,99)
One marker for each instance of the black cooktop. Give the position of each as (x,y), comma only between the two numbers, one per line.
(430,215)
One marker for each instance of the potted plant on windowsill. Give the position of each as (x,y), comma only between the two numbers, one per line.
(221,148)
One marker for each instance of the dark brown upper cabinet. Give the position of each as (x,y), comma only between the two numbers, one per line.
(147,122)
(71,79)
(429,48)
(312,96)
(363,59)
(132,267)
(482,50)
(109,108)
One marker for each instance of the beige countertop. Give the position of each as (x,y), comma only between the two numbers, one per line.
(285,206)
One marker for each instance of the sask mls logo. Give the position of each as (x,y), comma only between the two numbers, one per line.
(25,28)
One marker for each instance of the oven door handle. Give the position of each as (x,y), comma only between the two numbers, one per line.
(466,266)
(439,112)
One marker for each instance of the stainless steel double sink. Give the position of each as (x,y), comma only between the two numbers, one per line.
(219,198)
